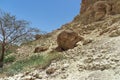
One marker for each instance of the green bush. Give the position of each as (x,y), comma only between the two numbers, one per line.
(38,61)
(15,68)
(8,52)
(9,59)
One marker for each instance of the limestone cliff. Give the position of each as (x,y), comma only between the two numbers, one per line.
(95,10)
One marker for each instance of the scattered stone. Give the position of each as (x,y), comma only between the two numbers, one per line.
(27,72)
(28,78)
(64,76)
(40,49)
(50,71)
(87,41)
(38,76)
(80,67)
(100,75)
(115,33)
(88,60)
(65,66)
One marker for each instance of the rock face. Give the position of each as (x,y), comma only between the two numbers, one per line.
(101,9)
(67,40)
(94,10)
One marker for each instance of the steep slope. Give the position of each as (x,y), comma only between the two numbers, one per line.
(97,57)
(94,10)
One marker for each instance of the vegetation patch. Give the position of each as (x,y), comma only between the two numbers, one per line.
(38,61)
(9,59)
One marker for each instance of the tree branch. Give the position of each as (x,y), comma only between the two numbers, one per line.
(11,32)
(17,37)
(2,29)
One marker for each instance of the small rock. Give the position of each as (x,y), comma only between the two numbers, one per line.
(115,33)
(80,67)
(66,65)
(50,71)
(88,60)
(26,73)
(40,49)
(87,41)
(38,76)
(64,76)
(28,78)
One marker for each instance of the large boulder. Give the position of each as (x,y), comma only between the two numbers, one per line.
(67,39)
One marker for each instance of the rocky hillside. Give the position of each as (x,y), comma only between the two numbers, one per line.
(95,57)
(94,10)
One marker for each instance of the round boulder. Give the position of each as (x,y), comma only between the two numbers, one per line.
(67,39)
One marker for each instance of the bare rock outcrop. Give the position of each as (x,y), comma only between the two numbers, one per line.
(94,10)
(101,9)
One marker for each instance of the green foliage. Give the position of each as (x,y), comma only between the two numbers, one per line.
(38,61)
(9,59)
(8,52)
(18,66)
(15,68)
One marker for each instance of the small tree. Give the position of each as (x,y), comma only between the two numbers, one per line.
(13,31)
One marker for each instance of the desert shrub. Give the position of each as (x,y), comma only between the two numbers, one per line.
(18,66)
(9,59)
(15,68)
(35,61)
(8,52)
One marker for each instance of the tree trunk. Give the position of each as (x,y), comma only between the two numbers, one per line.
(2,55)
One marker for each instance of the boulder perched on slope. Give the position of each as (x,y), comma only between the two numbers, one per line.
(67,39)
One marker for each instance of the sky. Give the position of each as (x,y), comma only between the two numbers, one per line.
(46,15)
